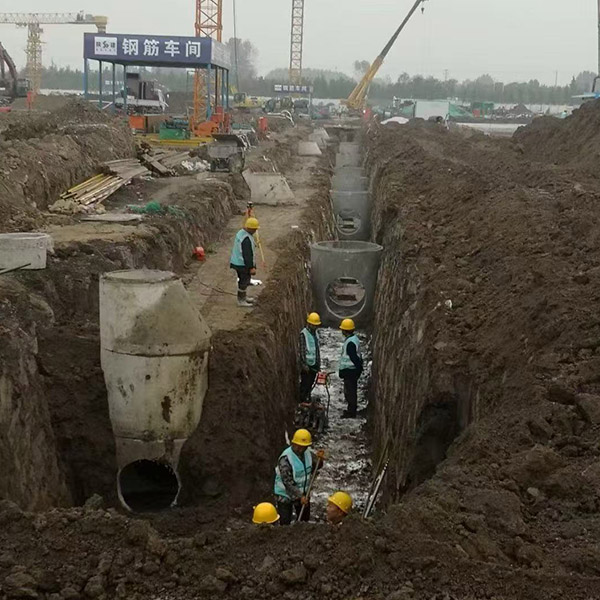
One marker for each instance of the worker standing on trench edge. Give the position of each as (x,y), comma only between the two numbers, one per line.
(310,356)
(243,260)
(350,367)
(293,475)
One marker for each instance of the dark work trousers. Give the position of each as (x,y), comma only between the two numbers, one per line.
(307,380)
(287,509)
(351,377)
(244,277)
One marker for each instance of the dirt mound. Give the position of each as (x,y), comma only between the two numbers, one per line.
(490,272)
(574,141)
(43,156)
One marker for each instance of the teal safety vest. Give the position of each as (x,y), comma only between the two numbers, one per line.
(237,258)
(311,347)
(302,471)
(345,362)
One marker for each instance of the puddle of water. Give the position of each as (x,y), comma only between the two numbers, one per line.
(347,458)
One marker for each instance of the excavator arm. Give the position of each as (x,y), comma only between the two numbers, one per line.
(7,63)
(357,98)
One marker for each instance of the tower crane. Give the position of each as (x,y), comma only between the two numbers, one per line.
(357,98)
(209,23)
(297,41)
(33,22)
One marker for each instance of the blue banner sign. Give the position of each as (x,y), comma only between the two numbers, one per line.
(293,89)
(156,50)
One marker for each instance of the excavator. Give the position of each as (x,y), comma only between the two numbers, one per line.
(11,86)
(357,99)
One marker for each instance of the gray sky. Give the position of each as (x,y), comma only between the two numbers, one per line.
(509,39)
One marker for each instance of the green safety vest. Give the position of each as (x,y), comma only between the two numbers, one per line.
(345,362)
(302,471)
(311,347)
(237,257)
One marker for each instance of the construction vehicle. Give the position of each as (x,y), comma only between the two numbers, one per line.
(11,85)
(242,101)
(358,97)
(227,152)
(143,97)
(33,22)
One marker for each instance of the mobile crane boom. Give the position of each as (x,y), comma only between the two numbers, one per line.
(357,98)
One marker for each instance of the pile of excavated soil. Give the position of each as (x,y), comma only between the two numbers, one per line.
(574,141)
(44,155)
(490,276)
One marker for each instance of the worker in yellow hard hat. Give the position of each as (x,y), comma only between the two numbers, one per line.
(309,355)
(339,506)
(293,475)
(350,367)
(265,512)
(243,260)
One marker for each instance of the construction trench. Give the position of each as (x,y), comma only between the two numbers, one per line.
(471,265)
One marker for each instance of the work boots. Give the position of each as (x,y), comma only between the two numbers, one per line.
(243,300)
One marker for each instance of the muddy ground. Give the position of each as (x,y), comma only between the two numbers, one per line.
(485,389)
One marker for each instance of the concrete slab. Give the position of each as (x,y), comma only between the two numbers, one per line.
(268,188)
(308,149)
(319,140)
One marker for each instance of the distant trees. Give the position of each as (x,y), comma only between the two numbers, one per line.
(243,62)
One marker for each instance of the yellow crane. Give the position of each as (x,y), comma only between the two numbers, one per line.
(358,97)
(33,22)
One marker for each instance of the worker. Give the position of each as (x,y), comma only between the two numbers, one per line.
(339,506)
(350,367)
(243,260)
(310,356)
(265,512)
(293,475)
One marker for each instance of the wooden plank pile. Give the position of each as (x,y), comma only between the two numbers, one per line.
(89,195)
(163,162)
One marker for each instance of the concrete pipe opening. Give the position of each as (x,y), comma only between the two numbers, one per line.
(348,222)
(345,297)
(148,486)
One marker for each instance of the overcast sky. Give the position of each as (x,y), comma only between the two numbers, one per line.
(509,39)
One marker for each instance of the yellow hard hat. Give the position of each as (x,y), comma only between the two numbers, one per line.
(251,223)
(302,437)
(314,319)
(342,500)
(347,325)
(265,512)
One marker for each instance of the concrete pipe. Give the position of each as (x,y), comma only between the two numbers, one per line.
(348,160)
(154,353)
(349,179)
(344,278)
(352,214)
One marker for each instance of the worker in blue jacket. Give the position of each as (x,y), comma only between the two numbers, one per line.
(243,260)
(350,367)
(293,474)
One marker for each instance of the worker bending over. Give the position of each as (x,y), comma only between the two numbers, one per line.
(339,506)
(350,367)
(310,356)
(243,259)
(293,475)
(265,513)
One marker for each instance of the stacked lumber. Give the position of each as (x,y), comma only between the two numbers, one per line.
(163,162)
(89,195)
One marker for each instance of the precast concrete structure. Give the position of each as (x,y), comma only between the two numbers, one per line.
(344,278)
(154,354)
(352,214)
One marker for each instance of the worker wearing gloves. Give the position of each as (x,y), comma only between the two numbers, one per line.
(339,506)
(243,259)
(265,513)
(310,356)
(350,367)
(293,476)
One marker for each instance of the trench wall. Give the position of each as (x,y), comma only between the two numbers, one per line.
(57,445)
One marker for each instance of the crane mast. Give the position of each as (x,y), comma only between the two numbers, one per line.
(209,23)
(33,22)
(297,41)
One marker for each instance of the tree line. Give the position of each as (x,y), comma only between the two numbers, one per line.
(334,84)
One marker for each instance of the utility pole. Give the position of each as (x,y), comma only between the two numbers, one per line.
(598,73)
